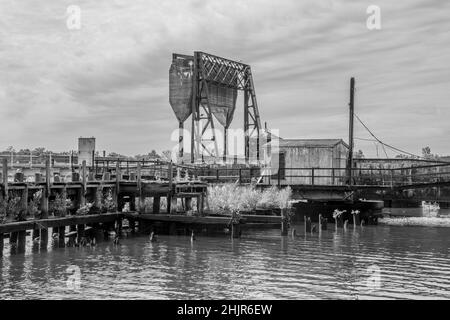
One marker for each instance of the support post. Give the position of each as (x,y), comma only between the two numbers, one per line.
(180,141)
(139,188)
(284,222)
(1,244)
(80,232)
(156,204)
(62,235)
(170,194)
(117,188)
(44,204)
(235,227)
(225,144)
(350,131)
(188,203)
(84,187)
(21,241)
(322,223)
(5,177)
(356,219)
(307,224)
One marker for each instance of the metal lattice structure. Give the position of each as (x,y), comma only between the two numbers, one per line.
(210,71)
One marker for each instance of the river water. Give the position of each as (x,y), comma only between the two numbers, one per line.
(369,262)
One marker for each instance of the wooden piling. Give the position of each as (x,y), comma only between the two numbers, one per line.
(13,238)
(80,232)
(322,223)
(106,176)
(188,203)
(156,204)
(84,187)
(307,224)
(339,221)
(284,222)
(62,235)
(170,193)
(132,225)
(1,244)
(119,227)
(356,219)
(173,205)
(44,204)
(5,177)
(139,189)
(117,188)
(235,230)
(21,241)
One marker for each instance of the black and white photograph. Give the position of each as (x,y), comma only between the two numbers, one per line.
(248,151)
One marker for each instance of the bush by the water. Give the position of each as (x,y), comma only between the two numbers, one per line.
(417,221)
(227,198)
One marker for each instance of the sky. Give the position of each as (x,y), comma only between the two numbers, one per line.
(109,78)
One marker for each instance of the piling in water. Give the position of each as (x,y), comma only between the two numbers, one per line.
(1,244)
(21,241)
(307,224)
(323,223)
(356,219)
(284,222)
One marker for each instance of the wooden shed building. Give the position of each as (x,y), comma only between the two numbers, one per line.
(307,161)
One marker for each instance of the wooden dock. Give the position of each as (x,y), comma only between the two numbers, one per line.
(184,206)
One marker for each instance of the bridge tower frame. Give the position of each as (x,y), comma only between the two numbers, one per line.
(208,68)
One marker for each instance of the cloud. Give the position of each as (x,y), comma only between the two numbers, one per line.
(110,78)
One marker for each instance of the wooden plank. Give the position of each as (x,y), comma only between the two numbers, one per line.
(260,218)
(58,222)
(181,218)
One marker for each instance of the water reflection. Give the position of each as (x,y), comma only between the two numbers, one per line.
(412,262)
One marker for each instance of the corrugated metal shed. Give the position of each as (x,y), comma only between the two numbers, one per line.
(311,143)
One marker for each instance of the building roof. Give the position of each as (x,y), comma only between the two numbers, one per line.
(311,143)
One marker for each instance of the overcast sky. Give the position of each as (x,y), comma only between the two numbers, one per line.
(109,79)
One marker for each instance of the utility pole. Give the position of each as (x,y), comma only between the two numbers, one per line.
(350,131)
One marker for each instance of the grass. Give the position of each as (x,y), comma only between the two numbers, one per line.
(229,198)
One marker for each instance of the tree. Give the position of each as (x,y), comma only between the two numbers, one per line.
(39,151)
(359,155)
(154,154)
(426,152)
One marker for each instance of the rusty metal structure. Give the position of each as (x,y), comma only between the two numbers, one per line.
(206,86)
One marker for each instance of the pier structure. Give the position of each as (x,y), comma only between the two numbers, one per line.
(141,196)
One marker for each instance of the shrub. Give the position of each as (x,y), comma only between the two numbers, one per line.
(84,210)
(108,202)
(269,198)
(34,204)
(284,198)
(229,198)
(60,205)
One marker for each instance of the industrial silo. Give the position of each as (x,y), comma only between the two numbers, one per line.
(180,90)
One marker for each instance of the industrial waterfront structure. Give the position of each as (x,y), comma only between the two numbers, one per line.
(206,87)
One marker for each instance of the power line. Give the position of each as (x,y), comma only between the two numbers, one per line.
(385,144)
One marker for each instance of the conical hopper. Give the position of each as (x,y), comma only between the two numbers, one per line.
(180,86)
(222,101)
